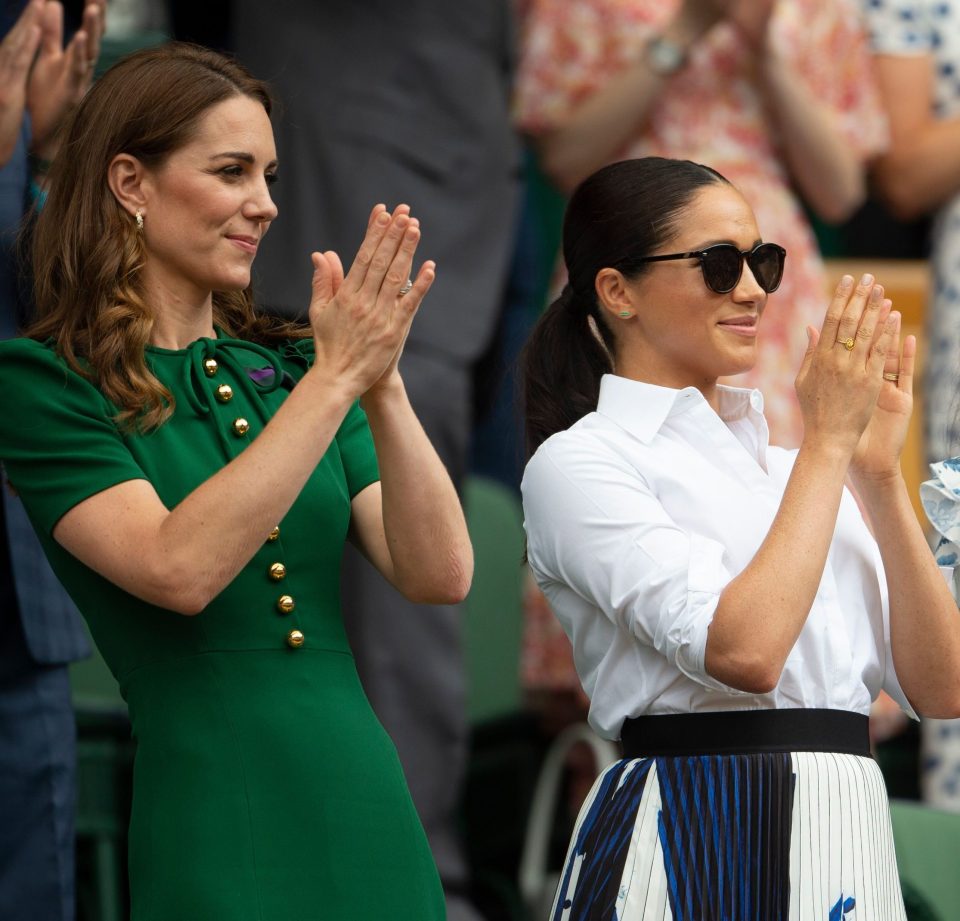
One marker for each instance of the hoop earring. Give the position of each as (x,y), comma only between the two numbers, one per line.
(139,219)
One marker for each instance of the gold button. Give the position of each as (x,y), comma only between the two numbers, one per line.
(277,571)
(210,366)
(224,393)
(241,426)
(285,604)
(295,638)
(274,534)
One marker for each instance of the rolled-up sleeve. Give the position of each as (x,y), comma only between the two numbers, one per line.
(594,525)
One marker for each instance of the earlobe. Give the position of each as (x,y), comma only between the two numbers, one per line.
(612,294)
(125,176)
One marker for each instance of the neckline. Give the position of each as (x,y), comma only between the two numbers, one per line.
(159,350)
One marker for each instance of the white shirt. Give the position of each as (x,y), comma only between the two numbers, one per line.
(638,516)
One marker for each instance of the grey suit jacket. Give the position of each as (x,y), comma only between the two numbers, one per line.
(391,102)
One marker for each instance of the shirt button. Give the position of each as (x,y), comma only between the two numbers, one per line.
(285,604)
(277,571)
(295,639)
(241,426)
(224,393)
(274,534)
(210,366)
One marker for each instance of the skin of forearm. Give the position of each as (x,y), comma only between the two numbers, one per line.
(921,170)
(924,622)
(762,611)
(424,526)
(827,172)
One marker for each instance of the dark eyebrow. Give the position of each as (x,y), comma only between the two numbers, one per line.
(240,155)
(697,249)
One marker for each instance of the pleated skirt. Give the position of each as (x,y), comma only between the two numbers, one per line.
(775,836)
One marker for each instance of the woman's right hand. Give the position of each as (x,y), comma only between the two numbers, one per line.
(837,385)
(361,321)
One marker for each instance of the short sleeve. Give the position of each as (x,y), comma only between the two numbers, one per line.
(899,27)
(58,441)
(594,525)
(357,451)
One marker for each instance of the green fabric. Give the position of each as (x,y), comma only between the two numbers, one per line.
(264,787)
(927,842)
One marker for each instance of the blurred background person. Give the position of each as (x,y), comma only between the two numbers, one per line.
(383,101)
(41,79)
(917,56)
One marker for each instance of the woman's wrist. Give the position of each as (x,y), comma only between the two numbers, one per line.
(878,486)
(327,387)
(833,452)
(385,394)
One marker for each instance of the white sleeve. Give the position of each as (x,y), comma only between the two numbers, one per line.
(594,525)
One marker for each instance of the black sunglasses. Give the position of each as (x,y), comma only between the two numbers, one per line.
(722,265)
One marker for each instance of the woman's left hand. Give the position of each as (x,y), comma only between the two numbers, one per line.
(877,456)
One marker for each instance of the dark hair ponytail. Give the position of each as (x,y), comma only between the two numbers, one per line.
(562,363)
(615,217)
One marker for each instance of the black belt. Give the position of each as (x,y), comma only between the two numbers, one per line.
(737,732)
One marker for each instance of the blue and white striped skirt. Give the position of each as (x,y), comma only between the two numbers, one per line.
(778,836)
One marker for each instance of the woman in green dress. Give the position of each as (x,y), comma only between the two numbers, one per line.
(193,470)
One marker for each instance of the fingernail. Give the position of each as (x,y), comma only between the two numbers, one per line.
(866,280)
(876,293)
(846,282)
(383,218)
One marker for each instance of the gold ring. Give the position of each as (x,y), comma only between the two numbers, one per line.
(847,343)
(891,376)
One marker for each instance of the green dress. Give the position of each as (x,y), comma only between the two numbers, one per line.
(265,789)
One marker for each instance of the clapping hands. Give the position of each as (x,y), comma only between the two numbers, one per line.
(360,321)
(856,384)
(39,75)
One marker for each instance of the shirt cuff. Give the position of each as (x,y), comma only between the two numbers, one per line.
(686,643)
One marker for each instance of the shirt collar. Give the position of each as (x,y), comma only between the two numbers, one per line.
(642,409)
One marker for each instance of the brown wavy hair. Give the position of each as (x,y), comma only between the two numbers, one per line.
(87,254)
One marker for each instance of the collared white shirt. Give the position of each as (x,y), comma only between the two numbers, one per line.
(638,516)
